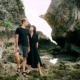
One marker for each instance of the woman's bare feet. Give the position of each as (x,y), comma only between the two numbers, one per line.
(41,74)
(39,69)
(29,70)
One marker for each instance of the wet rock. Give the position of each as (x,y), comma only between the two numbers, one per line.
(77,66)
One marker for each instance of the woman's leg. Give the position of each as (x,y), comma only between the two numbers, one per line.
(29,69)
(39,69)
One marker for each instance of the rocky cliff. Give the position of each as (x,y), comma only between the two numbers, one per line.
(63,16)
(11,10)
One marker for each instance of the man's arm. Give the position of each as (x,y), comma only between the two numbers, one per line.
(16,40)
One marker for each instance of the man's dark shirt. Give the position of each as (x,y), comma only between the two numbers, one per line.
(23,36)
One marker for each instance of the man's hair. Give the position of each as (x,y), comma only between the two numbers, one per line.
(23,20)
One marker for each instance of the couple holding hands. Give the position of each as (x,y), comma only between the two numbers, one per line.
(26,44)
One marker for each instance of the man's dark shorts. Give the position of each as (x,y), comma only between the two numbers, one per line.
(23,50)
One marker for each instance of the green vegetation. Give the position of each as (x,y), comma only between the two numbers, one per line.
(7,24)
(20,5)
(8,77)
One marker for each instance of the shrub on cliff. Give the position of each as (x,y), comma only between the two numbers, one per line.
(20,5)
(7,24)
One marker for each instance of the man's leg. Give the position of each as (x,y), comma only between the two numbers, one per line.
(24,64)
(17,60)
(24,59)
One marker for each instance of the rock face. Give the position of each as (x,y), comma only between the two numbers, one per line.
(11,10)
(41,35)
(63,16)
(44,42)
(6,35)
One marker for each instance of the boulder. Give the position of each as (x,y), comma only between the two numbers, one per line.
(62,16)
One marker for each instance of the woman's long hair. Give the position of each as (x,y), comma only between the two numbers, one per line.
(34,28)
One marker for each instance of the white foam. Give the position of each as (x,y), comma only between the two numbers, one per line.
(54,61)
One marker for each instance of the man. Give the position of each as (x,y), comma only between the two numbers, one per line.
(22,45)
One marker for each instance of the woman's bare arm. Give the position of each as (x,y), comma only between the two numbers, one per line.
(37,44)
(28,44)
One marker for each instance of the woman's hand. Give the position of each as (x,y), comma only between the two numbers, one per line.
(28,49)
(37,44)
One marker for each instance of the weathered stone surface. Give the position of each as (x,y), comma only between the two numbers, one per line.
(63,16)
(11,10)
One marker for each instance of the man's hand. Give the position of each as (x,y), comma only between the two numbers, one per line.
(28,49)
(16,41)
(16,48)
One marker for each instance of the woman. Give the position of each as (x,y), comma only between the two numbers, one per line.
(33,59)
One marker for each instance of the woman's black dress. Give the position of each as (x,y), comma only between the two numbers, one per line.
(33,56)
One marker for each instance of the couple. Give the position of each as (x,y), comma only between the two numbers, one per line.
(27,45)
